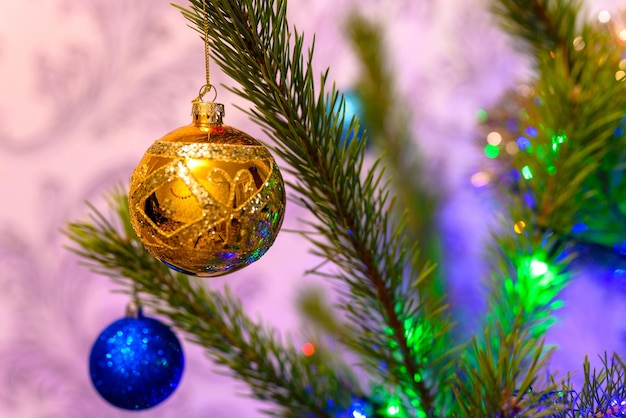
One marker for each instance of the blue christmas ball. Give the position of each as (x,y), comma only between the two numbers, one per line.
(353,107)
(136,363)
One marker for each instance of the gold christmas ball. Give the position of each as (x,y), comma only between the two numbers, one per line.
(207,199)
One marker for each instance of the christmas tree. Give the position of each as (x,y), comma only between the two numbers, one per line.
(391,343)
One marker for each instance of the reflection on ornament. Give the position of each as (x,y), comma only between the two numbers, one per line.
(207,199)
(136,363)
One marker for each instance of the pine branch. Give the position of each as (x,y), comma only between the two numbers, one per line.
(274,371)
(603,394)
(388,127)
(253,43)
(567,130)
(509,363)
(544,25)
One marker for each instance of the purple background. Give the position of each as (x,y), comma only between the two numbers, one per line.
(87,85)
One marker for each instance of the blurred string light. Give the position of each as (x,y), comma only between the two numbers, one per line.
(557,140)
(481,116)
(391,407)
(604,16)
(418,335)
(620,248)
(511,148)
(617,408)
(393,410)
(579,228)
(512,127)
(539,272)
(523,143)
(359,409)
(519,227)
(494,138)
(480,179)
(527,172)
(492,151)
(619,276)
(537,283)
(537,268)
(579,43)
(531,131)
(308,349)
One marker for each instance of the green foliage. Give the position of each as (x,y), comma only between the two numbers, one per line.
(273,369)
(509,363)
(394,313)
(544,25)
(576,106)
(571,116)
(388,127)
(377,266)
(603,393)
(568,124)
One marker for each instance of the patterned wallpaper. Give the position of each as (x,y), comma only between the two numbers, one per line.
(87,85)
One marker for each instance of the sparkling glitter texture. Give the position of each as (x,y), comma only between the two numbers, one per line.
(136,363)
(207,199)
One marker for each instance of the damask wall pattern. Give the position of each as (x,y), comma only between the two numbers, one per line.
(87,85)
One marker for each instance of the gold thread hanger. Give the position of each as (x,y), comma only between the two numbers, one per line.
(207,87)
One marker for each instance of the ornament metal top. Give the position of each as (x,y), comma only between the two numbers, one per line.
(207,199)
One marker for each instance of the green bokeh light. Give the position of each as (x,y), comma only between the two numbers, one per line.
(538,284)
(540,272)
(393,410)
(557,140)
(526,173)
(537,268)
(481,116)
(492,151)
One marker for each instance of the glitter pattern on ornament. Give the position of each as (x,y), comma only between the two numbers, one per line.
(136,363)
(207,199)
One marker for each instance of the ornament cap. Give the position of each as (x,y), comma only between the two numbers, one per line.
(206,113)
(134,310)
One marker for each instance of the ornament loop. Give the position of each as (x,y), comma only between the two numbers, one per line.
(204,90)
(133,309)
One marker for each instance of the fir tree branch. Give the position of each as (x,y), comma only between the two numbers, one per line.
(577,106)
(568,128)
(603,394)
(511,366)
(274,371)
(388,127)
(253,44)
(544,25)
